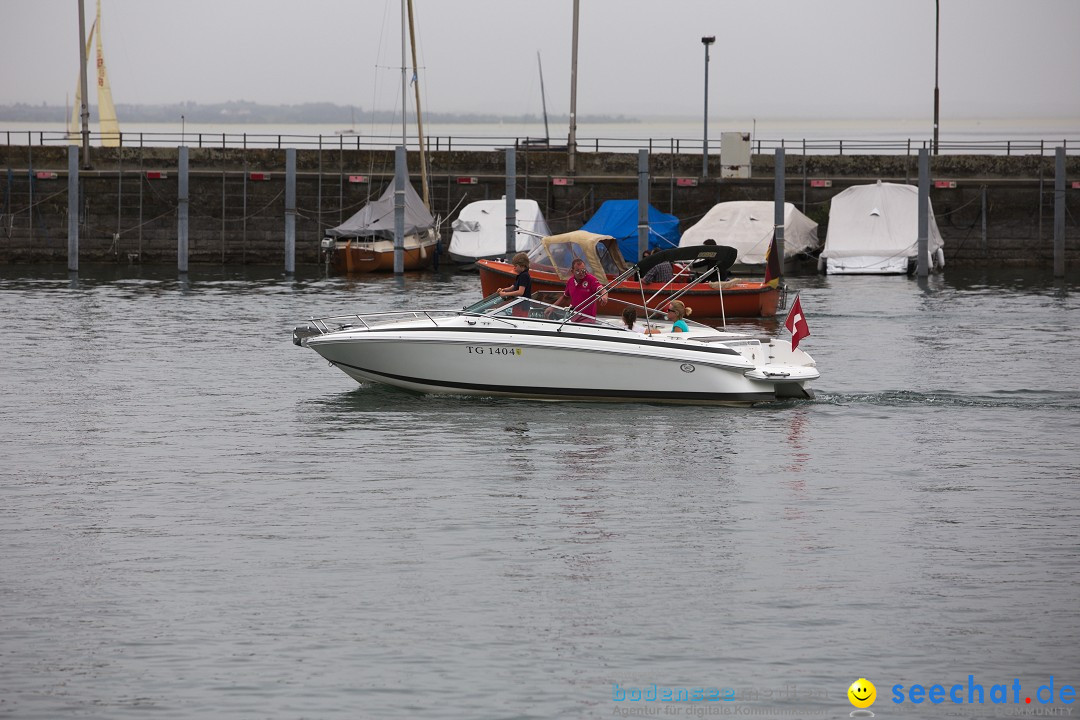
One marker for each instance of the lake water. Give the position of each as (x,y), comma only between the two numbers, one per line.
(200,520)
(979,136)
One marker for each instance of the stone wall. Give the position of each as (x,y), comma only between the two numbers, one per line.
(129,214)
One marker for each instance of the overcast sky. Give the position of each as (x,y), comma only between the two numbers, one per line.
(772,58)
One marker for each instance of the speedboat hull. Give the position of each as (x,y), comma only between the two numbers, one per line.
(546,360)
(867,265)
(880,265)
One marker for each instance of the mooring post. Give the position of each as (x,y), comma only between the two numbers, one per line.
(73,208)
(778,208)
(985,246)
(1059,213)
(511,202)
(399,210)
(643,202)
(182,212)
(290,211)
(922,265)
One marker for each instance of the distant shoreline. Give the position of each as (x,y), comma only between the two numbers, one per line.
(245,112)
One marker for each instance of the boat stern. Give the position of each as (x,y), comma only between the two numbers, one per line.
(788,371)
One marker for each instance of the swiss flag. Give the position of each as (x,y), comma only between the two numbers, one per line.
(796,323)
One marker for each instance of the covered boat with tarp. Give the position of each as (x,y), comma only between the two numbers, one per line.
(365,242)
(874,230)
(619,219)
(480,229)
(550,270)
(747,226)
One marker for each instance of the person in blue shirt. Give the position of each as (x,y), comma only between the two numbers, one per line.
(676,312)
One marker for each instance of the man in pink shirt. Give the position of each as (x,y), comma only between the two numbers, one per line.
(581,286)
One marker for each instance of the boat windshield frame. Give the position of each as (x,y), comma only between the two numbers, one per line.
(519,308)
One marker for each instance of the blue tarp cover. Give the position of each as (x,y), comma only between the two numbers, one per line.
(619,219)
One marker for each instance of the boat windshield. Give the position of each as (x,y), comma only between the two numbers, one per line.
(539,260)
(496,306)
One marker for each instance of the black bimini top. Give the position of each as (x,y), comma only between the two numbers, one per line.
(703,257)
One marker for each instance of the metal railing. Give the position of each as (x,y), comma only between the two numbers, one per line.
(440,143)
(369,321)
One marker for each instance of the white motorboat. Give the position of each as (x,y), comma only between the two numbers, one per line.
(529,349)
(748,226)
(480,230)
(874,230)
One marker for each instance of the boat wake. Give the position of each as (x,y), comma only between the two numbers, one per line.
(1018,399)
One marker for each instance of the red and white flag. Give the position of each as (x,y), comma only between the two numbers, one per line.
(796,323)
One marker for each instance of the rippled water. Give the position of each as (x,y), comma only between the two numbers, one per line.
(198,519)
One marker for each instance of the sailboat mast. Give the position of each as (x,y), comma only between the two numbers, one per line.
(419,117)
(403,68)
(573,94)
(543,98)
(84,111)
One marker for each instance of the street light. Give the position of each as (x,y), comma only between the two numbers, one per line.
(183,131)
(706,41)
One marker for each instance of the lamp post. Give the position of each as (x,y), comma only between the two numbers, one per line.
(183,131)
(84,107)
(937,42)
(706,41)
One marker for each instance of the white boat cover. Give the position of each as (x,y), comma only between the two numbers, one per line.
(376,219)
(747,226)
(480,228)
(879,221)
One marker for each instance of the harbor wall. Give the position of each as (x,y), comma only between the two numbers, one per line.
(991,209)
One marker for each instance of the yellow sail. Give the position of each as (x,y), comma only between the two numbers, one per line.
(75,124)
(110,128)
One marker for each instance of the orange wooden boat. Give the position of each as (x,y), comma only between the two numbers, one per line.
(365,242)
(362,255)
(550,269)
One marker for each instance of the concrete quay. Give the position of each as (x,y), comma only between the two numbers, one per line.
(991,209)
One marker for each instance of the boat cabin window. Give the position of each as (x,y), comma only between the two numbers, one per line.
(564,254)
(539,260)
(607,259)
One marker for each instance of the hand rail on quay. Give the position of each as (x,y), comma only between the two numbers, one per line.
(438,143)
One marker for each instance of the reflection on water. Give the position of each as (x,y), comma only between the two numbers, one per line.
(200,519)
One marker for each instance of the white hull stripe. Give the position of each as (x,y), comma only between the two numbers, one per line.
(592,393)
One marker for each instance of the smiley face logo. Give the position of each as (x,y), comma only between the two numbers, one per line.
(862,693)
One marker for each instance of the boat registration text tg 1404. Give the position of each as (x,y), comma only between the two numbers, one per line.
(481,350)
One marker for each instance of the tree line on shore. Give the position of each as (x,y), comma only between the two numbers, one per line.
(240,111)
